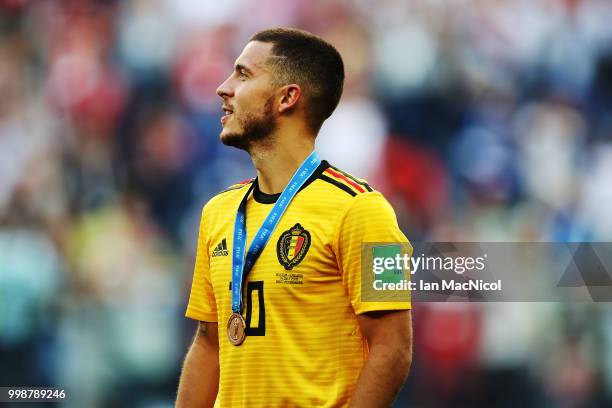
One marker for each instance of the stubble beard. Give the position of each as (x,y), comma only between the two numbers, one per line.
(255,130)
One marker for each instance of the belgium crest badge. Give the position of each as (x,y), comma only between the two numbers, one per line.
(292,246)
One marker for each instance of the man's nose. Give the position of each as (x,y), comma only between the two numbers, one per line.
(225,89)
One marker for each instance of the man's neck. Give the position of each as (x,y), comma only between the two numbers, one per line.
(277,163)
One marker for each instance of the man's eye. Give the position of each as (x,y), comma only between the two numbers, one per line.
(242,74)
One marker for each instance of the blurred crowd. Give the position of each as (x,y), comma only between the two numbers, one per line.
(479,120)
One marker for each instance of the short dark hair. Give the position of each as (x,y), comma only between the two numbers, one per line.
(310,62)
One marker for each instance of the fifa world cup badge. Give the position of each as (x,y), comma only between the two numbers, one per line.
(236,329)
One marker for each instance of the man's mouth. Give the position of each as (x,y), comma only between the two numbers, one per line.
(228,112)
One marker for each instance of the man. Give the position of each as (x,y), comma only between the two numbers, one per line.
(284,325)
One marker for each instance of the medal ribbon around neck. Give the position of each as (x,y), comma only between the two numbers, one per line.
(241,263)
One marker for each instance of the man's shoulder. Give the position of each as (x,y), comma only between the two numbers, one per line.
(342,183)
(341,192)
(237,186)
(228,196)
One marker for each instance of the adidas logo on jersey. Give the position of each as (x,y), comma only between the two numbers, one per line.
(221,249)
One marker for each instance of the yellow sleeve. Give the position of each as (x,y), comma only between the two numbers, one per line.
(370,219)
(202,305)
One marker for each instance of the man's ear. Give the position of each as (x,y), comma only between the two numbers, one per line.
(289,96)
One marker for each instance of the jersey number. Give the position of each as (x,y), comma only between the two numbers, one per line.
(260,330)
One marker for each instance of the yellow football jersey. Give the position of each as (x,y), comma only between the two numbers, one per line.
(303,346)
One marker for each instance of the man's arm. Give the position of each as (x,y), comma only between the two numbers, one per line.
(199,381)
(389,337)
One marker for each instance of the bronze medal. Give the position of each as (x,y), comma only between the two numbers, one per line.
(236,329)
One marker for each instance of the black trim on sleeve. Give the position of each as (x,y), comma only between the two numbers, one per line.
(337,184)
(238,187)
(361,183)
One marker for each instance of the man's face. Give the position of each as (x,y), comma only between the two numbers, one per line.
(248,98)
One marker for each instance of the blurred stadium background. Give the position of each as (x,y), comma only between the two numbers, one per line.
(479,120)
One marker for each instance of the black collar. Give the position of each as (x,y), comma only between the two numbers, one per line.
(264,198)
